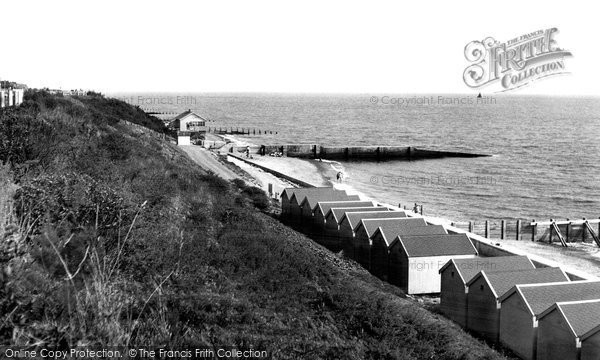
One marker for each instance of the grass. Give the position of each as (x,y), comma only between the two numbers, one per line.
(122,240)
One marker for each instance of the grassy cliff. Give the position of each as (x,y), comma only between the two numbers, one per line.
(112,236)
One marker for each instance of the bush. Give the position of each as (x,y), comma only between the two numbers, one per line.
(256,195)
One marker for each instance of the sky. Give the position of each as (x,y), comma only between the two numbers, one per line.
(396,47)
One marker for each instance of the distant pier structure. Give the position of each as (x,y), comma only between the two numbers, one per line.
(187,124)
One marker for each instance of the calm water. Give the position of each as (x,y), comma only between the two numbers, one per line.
(545,151)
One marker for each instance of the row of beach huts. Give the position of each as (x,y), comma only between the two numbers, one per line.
(536,312)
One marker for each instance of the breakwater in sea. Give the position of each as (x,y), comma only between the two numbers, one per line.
(314,151)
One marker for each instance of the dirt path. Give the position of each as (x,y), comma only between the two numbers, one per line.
(209,161)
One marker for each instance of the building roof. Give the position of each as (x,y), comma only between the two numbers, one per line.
(300,194)
(186,113)
(436,245)
(354,218)
(467,268)
(583,317)
(175,121)
(338,213)
(290,191)
(390,231)
(371,225)
(311,199)
(502,281)
(325,206)
(539,297)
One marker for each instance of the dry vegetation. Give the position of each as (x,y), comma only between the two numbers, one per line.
(110,236)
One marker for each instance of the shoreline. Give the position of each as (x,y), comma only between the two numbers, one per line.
(323,173)
(317,172)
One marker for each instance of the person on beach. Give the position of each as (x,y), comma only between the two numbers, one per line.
(247,152)
(339,176)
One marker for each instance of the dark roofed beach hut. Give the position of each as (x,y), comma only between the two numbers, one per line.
(570,331)
(291,207)
(383,237)
(335,215)
(367,227)
(351,220)
(415,261)
(485,288)
(458,272)
(308,205)
(522,304)
(322,208)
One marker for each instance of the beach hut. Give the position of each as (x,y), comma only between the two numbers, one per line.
(415,260)
(321,210)
(351,220)
(298,196)
(331,230)
(570,331)
(522,304)
(309,204)
(329,237)
(336,215)
(457,272)
(367,227)
(286,197)
(485,288)
(383,237)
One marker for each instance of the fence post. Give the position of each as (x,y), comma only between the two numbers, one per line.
(518,229)
(470,226)
(583,231)
(533,231)
(502,229)
(568,230)
(487,229)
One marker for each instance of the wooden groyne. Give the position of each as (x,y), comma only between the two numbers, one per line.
(379,153)
(565,231)
(239,131)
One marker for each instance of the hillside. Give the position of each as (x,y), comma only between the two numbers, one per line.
(112,236)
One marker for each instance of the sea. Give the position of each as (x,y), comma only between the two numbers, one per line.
(545,151)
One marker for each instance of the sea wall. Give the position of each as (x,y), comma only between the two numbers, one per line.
(274,172)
